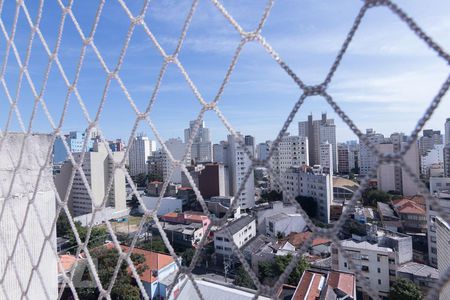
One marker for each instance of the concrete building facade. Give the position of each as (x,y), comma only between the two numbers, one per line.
(242,231)
(98,168)
(367,158)
(140,151)
(201,150)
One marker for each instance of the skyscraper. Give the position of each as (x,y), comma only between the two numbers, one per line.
(367,158)
(326,158)
(140,150)
(238,165)
(98,168)
(75,141)
(429,139)
(447,131)
(319,132)
(201,150)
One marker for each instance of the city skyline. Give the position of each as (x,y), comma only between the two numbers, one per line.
(399,71)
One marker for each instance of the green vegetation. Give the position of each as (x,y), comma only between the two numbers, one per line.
(156,244)
(404,289)
(243,279)
(373,196)
(270,271)
(98,236)
(124,287)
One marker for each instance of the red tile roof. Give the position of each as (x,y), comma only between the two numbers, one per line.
(67,262)
(309,286)
(297,239)
(343,281)
(154,261)
(407,206)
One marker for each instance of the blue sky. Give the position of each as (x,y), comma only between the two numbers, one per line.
(385,81)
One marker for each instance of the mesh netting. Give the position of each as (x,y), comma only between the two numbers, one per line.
(88,39)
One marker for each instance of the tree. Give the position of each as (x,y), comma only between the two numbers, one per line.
(272,270)
(308,204)
(404,289)
(187,256)
(243,279)
(374,196)
(124,287)
(155,245)
(62,225)
(97,238)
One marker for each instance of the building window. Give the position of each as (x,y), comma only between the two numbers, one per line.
(379,270)
(219,238)
(345,265)
(365,268)
(379,281)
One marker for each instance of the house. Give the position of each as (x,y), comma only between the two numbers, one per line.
(181,236)
(263,211)
(389,218)
(412,214)
(424,276)
(332,285)
(160,272)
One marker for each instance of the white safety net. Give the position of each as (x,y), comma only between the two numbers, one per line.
(41,83)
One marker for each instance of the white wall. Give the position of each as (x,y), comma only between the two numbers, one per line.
(167,205)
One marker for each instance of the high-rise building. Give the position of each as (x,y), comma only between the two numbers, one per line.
(443,249)
(429,139)
(343,158)
(117,145)
(238,165)
(177,148)
(98,168)
(440,189)
(319,132)
(367,158)
(262,150)
(447,131)
(140,150)
(201,150)
(209,178)
(292,151)
(394,178)
(433,158)
(326,157)
(304,181)
(220,152)
(353,156)
(22,183)
(447,160)
(75,142)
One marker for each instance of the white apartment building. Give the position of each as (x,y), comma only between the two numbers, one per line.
(447,160)
(98,168)
(18,270)
(177,148)
(378,259)
(302,181)
(367,159)
(140,150)
(238,165)
(284,224)
(429,139)
(394,178)
(242,231)
(443,249)
(434,156)
(292,151)
(440,188)
(201,150)
(447,131)
(326,157)
(262,150)
(318,132)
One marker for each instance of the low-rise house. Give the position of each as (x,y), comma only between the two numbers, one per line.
(424,276)
(389,218)
(319,247)
(160,272)
(283,224)
(181,236)
(412,215)
(261,248)
(242,231)
(331,285)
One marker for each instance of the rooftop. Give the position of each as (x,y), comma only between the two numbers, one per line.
(237,225)
(386,211)
(364,245)
(154,261)
(297,239)
(421,270)
(345,183)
